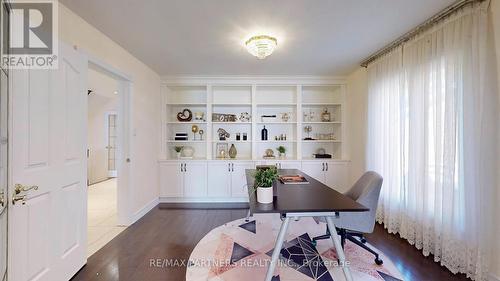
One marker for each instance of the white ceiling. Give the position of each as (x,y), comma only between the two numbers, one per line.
(204,37)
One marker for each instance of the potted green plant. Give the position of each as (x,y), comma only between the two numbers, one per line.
(282,151)
(263,182)
(178,150)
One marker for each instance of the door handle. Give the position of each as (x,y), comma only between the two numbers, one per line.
(18,188)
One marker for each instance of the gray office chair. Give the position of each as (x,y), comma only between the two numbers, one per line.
(365,191)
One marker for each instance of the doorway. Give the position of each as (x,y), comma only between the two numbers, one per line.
(106,93)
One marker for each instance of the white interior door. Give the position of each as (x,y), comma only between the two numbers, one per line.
(47,230)
(3,173)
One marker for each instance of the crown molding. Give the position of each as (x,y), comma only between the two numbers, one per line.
(253,79)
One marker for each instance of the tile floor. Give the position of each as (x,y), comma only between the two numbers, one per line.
(102,215)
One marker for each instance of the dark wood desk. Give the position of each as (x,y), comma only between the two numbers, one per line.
(314,199)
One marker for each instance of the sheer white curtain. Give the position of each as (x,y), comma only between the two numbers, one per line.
(431,136)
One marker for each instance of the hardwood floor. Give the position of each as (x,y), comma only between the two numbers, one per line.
(173,233)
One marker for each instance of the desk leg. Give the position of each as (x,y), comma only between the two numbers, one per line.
(277,249)
(249,214)
(338,248)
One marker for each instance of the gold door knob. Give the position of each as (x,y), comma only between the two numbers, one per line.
(18,188)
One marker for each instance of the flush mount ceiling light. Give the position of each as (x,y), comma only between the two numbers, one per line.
(261,46)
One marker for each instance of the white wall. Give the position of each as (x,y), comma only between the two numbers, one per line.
(145,104)
(102,101)
(357,89)
(495,21)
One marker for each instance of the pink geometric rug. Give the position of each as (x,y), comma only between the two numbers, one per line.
(242,251)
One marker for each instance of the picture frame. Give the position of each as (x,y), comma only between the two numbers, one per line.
(222,150)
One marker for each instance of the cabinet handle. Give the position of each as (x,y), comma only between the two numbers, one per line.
(326,166)
(232,167)
(229,167)
(181,168)
(323,164)
(185,170)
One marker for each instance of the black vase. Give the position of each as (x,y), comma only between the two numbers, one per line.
(263,134)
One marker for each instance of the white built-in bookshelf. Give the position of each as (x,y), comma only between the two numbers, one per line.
(303,103)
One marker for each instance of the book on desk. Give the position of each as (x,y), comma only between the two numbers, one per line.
(293,179)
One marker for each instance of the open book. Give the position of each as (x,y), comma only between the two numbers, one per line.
(293,179)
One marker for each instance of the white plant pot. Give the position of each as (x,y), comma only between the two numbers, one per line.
(265,195)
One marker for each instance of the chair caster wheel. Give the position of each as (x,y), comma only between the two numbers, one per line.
(379,261)
(363,240)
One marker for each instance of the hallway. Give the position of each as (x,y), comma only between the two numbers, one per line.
(102,215)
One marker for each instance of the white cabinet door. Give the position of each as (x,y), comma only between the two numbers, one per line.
(171,180)
(315,170)
(219,179)
(337,175)
(238,178)
(195,179)
(290,165)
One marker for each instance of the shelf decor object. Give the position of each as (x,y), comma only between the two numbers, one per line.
(219,117)
(308,130)
(232,151)
(178,150)
(187,152)
(269,154)
(185,115)
(263,134)
(261,46)
(282,151)
(245,117)
(325,116)
(222,150)
(223,135)
(199,116)
(194,129)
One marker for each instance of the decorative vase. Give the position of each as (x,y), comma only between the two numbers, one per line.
(282,155)
(232,151)
(265,195)
(178,155)
(187,152)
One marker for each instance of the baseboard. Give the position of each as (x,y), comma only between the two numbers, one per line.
(205,206)
(202,200)
(144,210)
(493,277)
